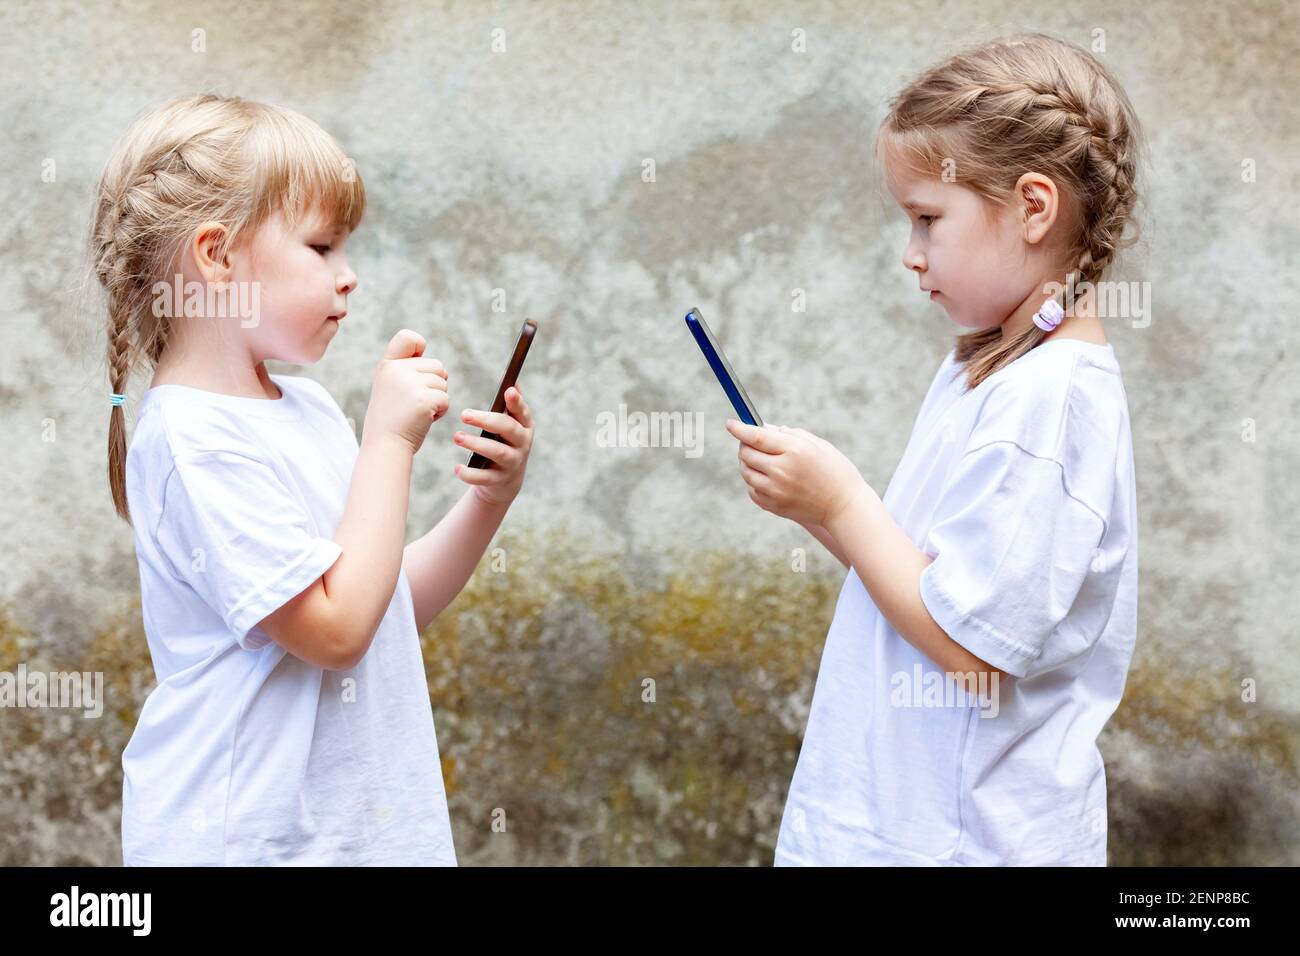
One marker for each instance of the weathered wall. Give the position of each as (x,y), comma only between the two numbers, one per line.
(522,171)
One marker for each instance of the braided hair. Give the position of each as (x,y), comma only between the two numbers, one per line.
(1026,103)
(197,159)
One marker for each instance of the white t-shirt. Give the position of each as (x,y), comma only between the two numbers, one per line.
(1022,491)
(244,754)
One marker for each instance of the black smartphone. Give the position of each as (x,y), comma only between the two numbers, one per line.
(526,335)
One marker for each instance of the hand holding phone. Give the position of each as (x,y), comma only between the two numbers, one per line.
(516,363)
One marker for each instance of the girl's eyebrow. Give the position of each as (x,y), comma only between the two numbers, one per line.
(322,223)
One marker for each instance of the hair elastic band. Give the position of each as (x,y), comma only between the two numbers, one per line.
(115,399)
(1049,316)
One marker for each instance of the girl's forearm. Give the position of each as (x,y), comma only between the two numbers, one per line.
(440,562)
(828,541)
(360,584)
(890,565)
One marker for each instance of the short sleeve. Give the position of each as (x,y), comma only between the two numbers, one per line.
(233,531)
(1011,549)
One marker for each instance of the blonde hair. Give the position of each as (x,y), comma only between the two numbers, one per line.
(1018,104)
(199,158)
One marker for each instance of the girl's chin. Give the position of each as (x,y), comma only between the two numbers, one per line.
(307,354)
(967,323)
(957,318)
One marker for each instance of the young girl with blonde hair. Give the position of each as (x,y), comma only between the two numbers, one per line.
(1002,559)
(291,721)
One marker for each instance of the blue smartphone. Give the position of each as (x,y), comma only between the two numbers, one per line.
(722,368)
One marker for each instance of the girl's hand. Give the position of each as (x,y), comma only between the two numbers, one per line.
(795,474)
(500,483)
(409,392)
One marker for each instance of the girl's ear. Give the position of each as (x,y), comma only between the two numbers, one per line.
(1039,203)
(212,261)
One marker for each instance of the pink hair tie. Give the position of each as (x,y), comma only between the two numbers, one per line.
(1049,316)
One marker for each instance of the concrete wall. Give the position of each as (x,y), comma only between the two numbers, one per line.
(522,171)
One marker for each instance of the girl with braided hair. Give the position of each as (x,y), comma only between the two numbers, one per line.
(291,721)
(983,634)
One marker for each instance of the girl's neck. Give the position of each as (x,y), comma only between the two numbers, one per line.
(243,380)
(1081,323)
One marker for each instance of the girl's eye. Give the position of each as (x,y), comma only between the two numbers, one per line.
(321,249)
(924,218)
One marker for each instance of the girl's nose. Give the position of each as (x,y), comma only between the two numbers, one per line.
(347,282)
(913,259)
